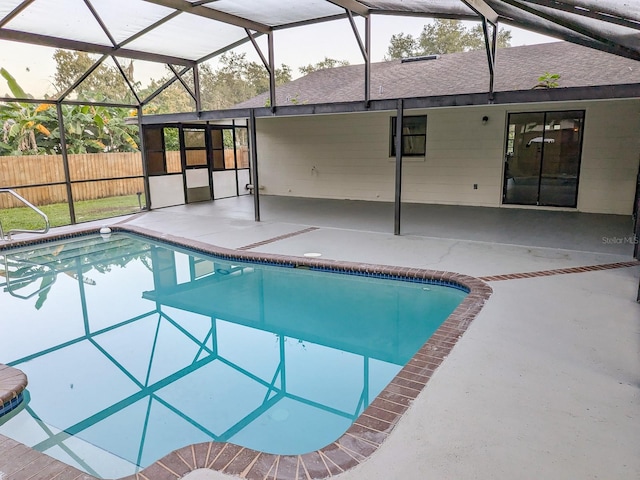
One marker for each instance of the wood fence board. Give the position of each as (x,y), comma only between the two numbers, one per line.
(23,171)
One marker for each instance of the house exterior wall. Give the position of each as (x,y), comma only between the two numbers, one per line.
(610,157)
(347,156)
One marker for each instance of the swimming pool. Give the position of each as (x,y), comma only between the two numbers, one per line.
(183,348)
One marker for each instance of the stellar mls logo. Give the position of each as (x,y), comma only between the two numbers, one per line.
(630,240)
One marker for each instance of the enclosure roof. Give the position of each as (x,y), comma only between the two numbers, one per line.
(184,32)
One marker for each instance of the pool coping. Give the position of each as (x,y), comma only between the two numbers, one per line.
(365,435)
(12,383)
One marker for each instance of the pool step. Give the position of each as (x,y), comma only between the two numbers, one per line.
(12,384)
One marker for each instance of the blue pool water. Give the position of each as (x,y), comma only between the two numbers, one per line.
(134,349)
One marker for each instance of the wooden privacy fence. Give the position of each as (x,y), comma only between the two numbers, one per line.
(20,172)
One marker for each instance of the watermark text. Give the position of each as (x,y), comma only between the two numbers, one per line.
(628,240)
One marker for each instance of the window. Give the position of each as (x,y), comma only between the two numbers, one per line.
(414,136)
(162,150)
(154,145)
(195,147)
(542,158)
(222,147)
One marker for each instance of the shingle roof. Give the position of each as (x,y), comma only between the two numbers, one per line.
(517,68)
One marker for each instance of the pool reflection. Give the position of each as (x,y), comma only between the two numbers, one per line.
(165,348)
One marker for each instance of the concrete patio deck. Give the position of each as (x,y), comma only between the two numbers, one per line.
(546,381)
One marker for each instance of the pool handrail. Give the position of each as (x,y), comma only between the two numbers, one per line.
(12,290)
(7,236)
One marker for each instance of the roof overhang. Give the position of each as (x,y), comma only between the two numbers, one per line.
(571,94)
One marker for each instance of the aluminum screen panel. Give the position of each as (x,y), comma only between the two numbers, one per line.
(578,28)
(579,23)
(629,10)
(434,7)
(7,6)
(189,37)
(181,31)
(277,12)
(139,15)
(70,19)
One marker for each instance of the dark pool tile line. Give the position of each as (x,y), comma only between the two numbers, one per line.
(14,244)
(375,424)
(560,271)
(442,278)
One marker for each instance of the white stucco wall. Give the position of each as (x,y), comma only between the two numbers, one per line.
(610,156)
(347,156)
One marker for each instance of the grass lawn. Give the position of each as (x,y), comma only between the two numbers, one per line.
(58,213)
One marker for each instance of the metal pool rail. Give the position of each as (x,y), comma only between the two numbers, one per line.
(7,236)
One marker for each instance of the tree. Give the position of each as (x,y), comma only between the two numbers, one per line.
(172,100)
(23,124)
(326,63)
(476,40)
(30,128)
(401,45)
(104,83)
(440,37)
(236,80)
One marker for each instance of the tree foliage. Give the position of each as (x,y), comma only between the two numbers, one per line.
(326,63)
(442,36)
(236,80)
(31,128)
(104,83)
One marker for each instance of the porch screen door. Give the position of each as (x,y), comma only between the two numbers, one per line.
(542,161)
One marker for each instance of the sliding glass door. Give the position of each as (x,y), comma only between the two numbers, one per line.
(542,160)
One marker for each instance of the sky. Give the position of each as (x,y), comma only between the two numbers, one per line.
(34,68)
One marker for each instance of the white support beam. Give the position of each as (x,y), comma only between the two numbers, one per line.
(352,6)
(187,7)
(482,9)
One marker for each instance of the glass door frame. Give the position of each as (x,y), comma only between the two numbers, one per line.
(510,148)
